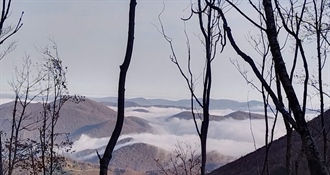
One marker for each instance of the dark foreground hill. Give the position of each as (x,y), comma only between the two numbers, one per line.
(253,163)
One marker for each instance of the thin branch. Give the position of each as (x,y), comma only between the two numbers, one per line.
(245,16)
(250,61)
(18,26)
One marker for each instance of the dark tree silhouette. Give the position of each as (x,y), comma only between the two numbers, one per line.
(105,160)
(57,91)
(317,27)
(7,31)
(316,163)
(37,155)
(184,161)
(211,36)
(26,89)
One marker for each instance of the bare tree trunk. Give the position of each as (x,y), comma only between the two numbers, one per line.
(318,32)
(315,162)
(4,36)
(13,138)
(288,128)
(53,120)
(4,16)
(42,135)
(207,33)
(288,155)
(105,160)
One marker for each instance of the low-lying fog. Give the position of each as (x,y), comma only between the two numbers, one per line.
(229,137)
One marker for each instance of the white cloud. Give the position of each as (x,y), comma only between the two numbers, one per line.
(229,137)
(221,112)
(86,142)
(153,112)
(5,100)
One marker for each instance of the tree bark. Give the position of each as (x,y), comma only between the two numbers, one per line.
(207,33)
(105,160)
(316,164)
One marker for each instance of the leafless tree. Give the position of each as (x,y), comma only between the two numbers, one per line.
(185,161)
(105,159)
(26,88)
(5,33)
(211,36)
(55,96)
(45,81)
(8,31)
(317,28)
(297,117)
(261,46)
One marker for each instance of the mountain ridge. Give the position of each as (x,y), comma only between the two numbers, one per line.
(237,115)
(252,105)
(97,120)
(88,117)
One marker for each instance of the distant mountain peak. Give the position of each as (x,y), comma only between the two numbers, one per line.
(252,105)
(241,115)
(237,115)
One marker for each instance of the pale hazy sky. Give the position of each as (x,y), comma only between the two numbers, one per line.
(91,37)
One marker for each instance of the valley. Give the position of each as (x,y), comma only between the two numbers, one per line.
(153,130)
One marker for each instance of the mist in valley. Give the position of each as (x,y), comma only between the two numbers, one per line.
(228,137)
